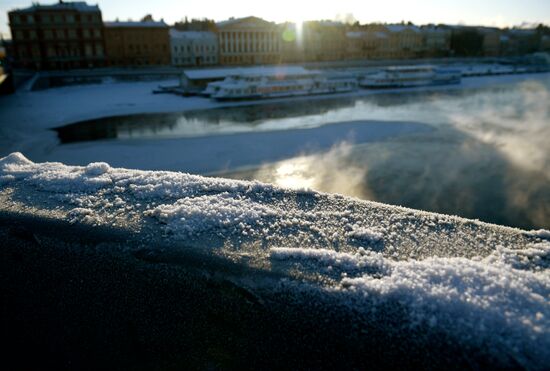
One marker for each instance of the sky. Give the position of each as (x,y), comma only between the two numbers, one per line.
(501,13)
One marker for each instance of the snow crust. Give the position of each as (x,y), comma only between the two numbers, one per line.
(221,211)
(501,300)
(485,285)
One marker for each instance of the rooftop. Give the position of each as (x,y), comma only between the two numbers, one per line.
(79,6)
(232,21)
(149,24)
(401,28)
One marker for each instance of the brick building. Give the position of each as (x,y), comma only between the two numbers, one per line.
(57,36)
(143,43)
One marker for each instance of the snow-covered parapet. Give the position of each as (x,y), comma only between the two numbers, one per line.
(484,286)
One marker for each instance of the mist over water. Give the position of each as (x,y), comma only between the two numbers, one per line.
(489,158)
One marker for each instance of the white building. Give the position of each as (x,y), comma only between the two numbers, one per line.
(194,48)
(249,40)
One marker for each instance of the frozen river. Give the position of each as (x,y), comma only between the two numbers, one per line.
(479,153)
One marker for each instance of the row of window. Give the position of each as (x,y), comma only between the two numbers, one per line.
(248,59)
(90,50)
(248,35)
(59,34)
(206,59)
(198,48)
(135,62)
(20,19)
(241,47)
(146,47)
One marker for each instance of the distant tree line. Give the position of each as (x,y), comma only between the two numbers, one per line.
(196,24)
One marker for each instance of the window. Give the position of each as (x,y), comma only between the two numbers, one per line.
(72,34)
(32,34)
(30,19)
(48,34)
(70,18)
(60,34)
(19,35)
(99,50)
(57,18)
(16,19)
(97,33)
(86,33)
(88,50)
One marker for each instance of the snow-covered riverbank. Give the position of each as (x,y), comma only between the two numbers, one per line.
(481,291)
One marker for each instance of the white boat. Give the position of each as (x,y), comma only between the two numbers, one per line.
(276,86)
(410,76)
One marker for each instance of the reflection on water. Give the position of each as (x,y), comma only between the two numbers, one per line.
(228,120)
(264,117)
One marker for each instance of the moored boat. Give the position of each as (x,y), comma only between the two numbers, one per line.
(410,76)
(278,86)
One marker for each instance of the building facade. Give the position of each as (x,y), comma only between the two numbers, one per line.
(144,43)
(249,40)
(437,41)
(403,41)
(59,36)
(369,44)
(324,41)
(491,41)
(380,41)
(194,48)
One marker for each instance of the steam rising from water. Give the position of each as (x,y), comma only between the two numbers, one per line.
(331,172)
(489,158)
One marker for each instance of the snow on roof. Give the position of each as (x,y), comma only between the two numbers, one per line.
(216,73)
(146,24)
(401,28)
(233,21)
(195,35)
(355,34)
(420,67)
(79,6)
(456,276)
(522,31)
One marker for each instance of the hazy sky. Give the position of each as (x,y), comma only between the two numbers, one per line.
(471,12)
